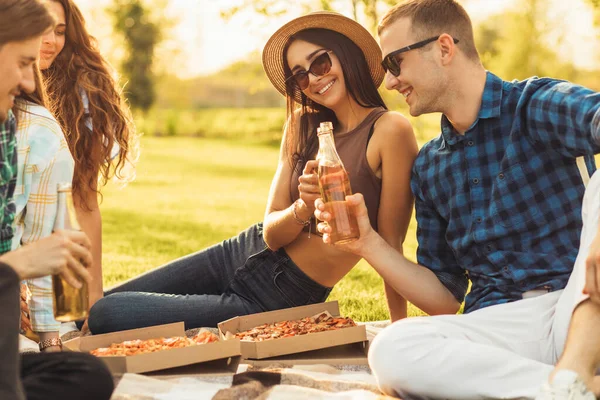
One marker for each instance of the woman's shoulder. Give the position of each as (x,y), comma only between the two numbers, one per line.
(393,123)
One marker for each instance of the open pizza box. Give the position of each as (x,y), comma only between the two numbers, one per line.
(221,356)
(332,340)
(347,354)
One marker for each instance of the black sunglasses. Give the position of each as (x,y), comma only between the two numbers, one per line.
(391,63)
(319,67)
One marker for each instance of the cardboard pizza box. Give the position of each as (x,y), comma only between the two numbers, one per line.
(294,344)
(343,355)
(222,355)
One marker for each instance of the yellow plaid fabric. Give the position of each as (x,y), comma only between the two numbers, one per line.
(44,161)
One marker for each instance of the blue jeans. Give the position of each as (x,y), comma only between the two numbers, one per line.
(238,276)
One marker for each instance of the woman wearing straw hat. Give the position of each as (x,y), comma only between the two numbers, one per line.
(328,67)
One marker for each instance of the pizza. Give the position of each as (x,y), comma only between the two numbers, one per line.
(319,323)
(135,347)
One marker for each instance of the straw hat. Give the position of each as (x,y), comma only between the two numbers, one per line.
(273,50)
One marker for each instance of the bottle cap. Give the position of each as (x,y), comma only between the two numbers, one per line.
(325,127)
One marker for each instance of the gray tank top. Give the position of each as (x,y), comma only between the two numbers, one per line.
(352,148)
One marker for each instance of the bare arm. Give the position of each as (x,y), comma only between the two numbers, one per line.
(592,274)
(416,283)
(395,142)
(90,221)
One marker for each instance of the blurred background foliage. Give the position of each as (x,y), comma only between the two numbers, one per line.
(239,101)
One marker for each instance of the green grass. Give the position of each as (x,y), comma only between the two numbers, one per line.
(251,125)
(259,125)
(191,193)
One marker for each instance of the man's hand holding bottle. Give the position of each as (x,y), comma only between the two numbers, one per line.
(368,237)
(65,252)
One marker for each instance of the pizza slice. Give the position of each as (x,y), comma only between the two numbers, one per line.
(135,347)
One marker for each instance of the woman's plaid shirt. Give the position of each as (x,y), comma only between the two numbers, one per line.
(8,178)
(501,204)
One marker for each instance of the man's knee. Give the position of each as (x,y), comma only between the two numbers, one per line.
(392,355)
(68,375)
(96,380)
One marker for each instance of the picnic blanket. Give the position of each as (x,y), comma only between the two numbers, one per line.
(306,382)
(320,382)
(347,382)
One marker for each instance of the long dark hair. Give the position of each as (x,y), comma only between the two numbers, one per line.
(358,81)
(80,67)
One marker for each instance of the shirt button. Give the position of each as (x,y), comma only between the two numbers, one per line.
(479,219)
(476,181)
(501,176)
(470,143)
(505,269)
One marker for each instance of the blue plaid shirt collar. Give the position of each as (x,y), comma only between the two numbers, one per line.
(491,102)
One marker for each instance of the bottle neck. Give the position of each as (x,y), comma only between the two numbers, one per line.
(327,151)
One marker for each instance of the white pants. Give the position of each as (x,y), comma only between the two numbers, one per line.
(504,351)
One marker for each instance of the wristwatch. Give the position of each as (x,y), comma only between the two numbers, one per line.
(50,342)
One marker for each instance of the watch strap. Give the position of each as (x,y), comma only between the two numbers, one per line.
(50,342)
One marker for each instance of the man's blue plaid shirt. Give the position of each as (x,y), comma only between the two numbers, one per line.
(501,204)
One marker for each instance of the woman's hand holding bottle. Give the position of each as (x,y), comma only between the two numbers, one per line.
(309,189)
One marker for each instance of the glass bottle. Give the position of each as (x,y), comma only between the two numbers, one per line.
(334,185)
(70,303)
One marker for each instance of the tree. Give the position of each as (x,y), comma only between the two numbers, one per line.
(516,45)
(132,20)
(596,7)
(369,9)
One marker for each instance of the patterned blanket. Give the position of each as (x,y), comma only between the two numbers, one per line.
(348,382)
(309,382)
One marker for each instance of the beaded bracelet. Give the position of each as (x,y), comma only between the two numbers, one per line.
(299,221)
(297,218)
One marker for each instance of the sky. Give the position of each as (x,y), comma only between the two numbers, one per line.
(207,43)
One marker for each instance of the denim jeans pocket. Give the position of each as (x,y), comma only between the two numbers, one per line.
(295,287)
(252,262)
(291,288)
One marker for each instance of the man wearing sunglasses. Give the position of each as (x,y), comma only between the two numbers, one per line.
(498,198)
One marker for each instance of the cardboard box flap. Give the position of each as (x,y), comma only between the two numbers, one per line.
(72,344)
(176,357)
(92,342)
(349,354)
